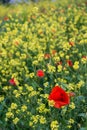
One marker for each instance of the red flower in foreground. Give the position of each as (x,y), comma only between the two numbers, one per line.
(59,96)
(40,73)
(69,62)
(12,82)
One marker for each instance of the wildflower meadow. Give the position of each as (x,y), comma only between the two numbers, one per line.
(43,66)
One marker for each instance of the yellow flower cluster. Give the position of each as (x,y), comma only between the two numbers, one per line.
(54,125)
(76,65)
(51,37)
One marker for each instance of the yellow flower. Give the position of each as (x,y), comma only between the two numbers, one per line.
(61,54)
(35,62)
(51,103)
(31,75)
(84,60)
(60,68)
(15,121)
(15,91)
(51,68)
(71,121)
(1,98)
(72,105)
(17,111)
(67,57)
(42,119)
(30,123)
(35,118)
(69,126)
(54,125)
(56,58)
(71,86)
(81,83)
(46,84)
(9,115)
(76,65)
(33,93)
(42,108)
(24,108)
(17,95)
(13,106)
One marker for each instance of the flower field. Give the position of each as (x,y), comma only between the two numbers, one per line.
(43,66)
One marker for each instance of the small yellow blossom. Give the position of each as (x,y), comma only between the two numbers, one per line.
(9,115)
(42,119)
(60,68)
(24,108)
(76,65)
(30,123)
(54,125)
(72,105)
(15,121)
(51,103)
(51,68)
(13,106)
(69,126)
(1,98)
(71,121)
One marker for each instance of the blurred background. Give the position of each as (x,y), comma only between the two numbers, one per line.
(25,1)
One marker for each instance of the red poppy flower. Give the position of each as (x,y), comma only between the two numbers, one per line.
(40,73)
(69,62)
(59,96)
(85,57)
(59,63)
(16,43)
(12,82)
(54,52)
(6,18)
(47,56)
(71,43)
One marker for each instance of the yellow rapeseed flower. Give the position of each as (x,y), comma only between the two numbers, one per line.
(71,121)
(72,105)
(15,121)
(54,125)
(42,119)
(13,105)
(24,108)
(9,115)
(76,65)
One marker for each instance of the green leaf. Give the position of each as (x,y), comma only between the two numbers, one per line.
(80,98)
(83,115)
(83,128)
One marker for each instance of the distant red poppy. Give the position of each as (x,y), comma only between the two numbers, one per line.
(40,73)
(12,82)
(6,18)
(16,43)
(47,56)
(54,52)
(71,43)
(59,96)
(85,57)
(59,63)
(69,62)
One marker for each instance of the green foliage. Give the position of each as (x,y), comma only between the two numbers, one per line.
(48,36)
